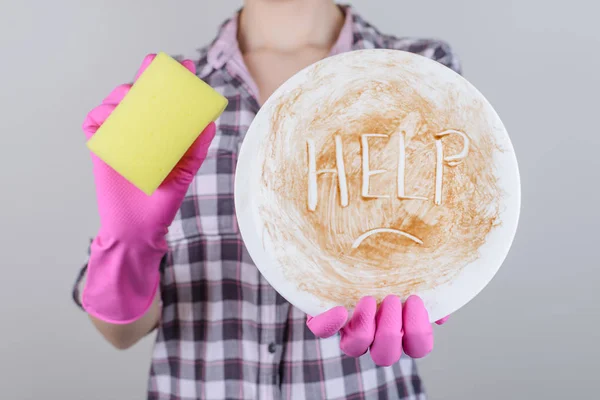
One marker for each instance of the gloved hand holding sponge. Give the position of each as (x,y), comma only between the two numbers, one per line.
(147,140)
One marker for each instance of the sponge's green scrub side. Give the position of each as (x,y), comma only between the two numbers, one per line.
(164,112)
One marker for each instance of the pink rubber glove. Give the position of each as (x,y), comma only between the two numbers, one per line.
(386,331)
(123,270)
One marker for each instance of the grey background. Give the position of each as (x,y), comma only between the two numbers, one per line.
(529,335)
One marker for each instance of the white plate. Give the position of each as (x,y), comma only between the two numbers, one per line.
(332,249)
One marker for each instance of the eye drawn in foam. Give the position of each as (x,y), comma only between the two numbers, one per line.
(377,189)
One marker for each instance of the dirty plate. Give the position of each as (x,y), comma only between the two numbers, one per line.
(377,172)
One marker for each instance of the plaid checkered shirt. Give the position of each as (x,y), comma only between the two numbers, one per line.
(224,332)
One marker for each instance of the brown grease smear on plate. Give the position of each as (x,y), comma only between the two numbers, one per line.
(324,263)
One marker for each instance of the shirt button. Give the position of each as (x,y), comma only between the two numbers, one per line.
(272,348)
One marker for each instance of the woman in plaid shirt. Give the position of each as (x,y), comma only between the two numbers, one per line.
(175,262)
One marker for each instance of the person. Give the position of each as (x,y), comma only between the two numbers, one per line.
(175,263)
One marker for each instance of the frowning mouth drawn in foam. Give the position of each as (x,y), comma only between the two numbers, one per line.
(380,190)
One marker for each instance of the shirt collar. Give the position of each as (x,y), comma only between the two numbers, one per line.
(226,47)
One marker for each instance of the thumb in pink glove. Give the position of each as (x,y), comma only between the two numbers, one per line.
(123,269)
(386,331)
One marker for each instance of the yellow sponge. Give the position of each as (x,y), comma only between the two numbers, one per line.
(154,125)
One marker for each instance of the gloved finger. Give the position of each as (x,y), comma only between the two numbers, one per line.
(190,65)
(147,61)
(95,118)
(418,332)
(443,320)
(190,163)
(358,334)
(121,91)
(117,94)
(328,323)
(387,345)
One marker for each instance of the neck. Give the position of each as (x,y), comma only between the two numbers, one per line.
(287,25)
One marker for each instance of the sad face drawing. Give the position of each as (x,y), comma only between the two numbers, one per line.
(385,185)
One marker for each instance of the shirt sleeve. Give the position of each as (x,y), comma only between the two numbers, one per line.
(434,49)
(445,55)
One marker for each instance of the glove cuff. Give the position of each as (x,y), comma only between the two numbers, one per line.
(122,279)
